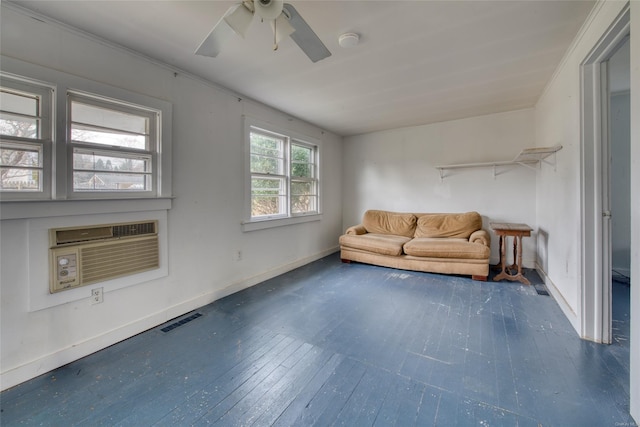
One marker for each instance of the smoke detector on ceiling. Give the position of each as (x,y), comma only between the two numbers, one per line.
(348,40)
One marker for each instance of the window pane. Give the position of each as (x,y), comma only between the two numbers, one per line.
(112,138)
(303,197)
(300,154)
(270,186)
(92,161)
(302,161)
(302,170)
(267,205)
(106,181)
(266,145)
(11,155)
(20,179)
(260,164)
(19,116)
(108,118)
(19,103)
(104,126)
(23,127)
(267,197)
(302,204)
(302,188)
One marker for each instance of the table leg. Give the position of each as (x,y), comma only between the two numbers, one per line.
(498,266)
(508,271)
(519,275)
(503,274)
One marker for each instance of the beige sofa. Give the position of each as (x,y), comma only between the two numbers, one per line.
(450,243)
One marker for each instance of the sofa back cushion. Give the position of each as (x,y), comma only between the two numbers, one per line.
(384,222)
(448,225)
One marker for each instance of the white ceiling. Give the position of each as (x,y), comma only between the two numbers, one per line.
(418,62)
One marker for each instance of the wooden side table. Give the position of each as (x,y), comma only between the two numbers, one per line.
(517,231)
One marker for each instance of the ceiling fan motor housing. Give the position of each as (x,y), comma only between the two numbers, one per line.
(268,9)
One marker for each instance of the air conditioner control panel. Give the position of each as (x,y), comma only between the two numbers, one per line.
(65,271)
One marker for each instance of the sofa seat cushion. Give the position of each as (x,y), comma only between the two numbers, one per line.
(384,244)
(384,222)
(448,225)
(446,248)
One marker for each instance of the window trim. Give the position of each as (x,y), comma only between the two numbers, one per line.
(250,223)
(47,93)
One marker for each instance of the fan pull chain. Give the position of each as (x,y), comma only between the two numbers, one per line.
(275,37)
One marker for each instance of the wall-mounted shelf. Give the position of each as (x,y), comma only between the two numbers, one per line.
(529,157)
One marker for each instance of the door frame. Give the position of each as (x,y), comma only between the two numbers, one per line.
(594,183)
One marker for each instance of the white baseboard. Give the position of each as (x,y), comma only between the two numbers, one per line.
(49,362)
(557,296)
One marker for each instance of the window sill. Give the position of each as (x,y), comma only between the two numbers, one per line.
(280,222)
(27,209)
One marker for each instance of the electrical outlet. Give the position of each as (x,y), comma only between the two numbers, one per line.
(96,296)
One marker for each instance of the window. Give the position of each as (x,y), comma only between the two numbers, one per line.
(25,132)
(60,143)
(283,175)
(113,146)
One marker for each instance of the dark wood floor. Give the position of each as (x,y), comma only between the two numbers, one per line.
(347,344)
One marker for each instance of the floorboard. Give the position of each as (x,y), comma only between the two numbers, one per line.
(333,344)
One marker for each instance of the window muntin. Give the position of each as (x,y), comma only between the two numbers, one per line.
(114,146)
(284,181)
(25,135)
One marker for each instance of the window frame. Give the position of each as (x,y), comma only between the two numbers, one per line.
(151,152)
(313,179)
(289,138)
(45,92)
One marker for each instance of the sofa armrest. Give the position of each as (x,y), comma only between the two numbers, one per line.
(480,236)
(356,229)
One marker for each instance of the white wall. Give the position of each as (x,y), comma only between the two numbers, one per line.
(635,211)
(558,194)
(203,226)
(395,170)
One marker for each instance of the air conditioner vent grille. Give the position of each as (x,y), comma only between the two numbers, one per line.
(138,229)
(110,260)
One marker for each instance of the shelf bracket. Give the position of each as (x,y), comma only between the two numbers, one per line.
(527,165)
(553,163)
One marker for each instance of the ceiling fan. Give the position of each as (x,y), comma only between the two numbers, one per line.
(283,17)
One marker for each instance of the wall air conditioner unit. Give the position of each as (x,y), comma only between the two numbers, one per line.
(80,256)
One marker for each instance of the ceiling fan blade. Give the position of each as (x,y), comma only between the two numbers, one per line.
(281,28)
(236,20)
(304,36)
